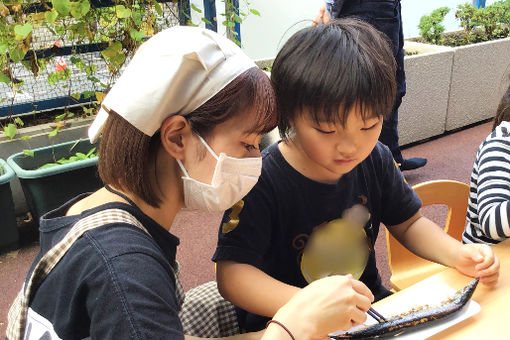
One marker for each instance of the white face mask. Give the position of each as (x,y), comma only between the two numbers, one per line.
(233,178)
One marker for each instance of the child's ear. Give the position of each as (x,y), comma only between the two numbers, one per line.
(175,133)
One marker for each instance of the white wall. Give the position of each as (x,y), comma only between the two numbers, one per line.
(263,36)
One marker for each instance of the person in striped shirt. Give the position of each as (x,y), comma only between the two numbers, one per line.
(488,214)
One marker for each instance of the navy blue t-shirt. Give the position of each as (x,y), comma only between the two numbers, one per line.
(115,282)
(298,230)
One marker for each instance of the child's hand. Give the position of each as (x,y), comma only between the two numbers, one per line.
(326,305)
(322,17)
(478,260)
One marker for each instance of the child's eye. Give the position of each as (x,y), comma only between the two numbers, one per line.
(370,127)
(250,147)
(324,132)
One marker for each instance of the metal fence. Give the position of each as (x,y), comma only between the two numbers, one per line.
(36,94)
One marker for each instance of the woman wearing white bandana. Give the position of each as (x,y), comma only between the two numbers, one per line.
(181,127)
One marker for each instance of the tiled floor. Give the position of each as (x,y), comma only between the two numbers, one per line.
(450,157)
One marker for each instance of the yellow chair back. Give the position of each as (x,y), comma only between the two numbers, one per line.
(407,268)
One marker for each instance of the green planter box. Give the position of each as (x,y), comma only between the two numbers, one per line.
(9,235)
(47,189)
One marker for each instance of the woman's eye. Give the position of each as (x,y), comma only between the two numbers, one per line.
(249,147)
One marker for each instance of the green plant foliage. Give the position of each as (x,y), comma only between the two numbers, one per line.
(28,153)
(119,29)
(63,7)
(10,130)
(77,157)
(231,18)
(466,13)
(479,24)
(431,28)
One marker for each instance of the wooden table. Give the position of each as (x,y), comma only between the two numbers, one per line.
(492,322)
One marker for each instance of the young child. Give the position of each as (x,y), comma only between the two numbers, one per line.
(488,210)
(326,187)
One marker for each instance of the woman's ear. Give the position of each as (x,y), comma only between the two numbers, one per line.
(175,133)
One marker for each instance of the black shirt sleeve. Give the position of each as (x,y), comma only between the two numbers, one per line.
(399,201)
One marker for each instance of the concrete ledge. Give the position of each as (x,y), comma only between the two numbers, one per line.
(480,75)
(424,107)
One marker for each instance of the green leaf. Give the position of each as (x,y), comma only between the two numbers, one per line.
(80,155)
(28,153)
(122,12)
(88,94)
(62,6)
(70,115)
(10,130)
(60,117)
(80,8)
(26,137)
(76,95)
(3,48)
(254,11)
(51,16)
(17,54)
(229,23)
(158,8)
(18,121)
(47,165)
(60,30)
(22,31)
(196,9)
(88,110)
(54,132)
(91,152)
(137,17)
(206,21)
(238,19)
(137,35)
(42,64)
(90,69)
(4,79)
(114,54)
(52,78)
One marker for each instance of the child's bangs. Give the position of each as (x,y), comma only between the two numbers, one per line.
(368,97)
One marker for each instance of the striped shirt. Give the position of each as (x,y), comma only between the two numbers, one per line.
(488,212)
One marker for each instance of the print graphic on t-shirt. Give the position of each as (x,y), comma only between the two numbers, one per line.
(338,247)
(233,218)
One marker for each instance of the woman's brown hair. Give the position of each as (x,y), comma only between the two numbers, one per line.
(127,157)
(503,111)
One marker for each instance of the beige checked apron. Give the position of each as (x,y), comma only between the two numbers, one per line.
(18,311)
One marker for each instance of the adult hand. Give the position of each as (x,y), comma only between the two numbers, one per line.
(323,16)
(478,260)
(326,305)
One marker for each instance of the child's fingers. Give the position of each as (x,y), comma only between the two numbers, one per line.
(319,18)
(488,258)
(483,271)
(490,280)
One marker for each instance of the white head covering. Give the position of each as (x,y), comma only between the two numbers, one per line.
(174,72)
